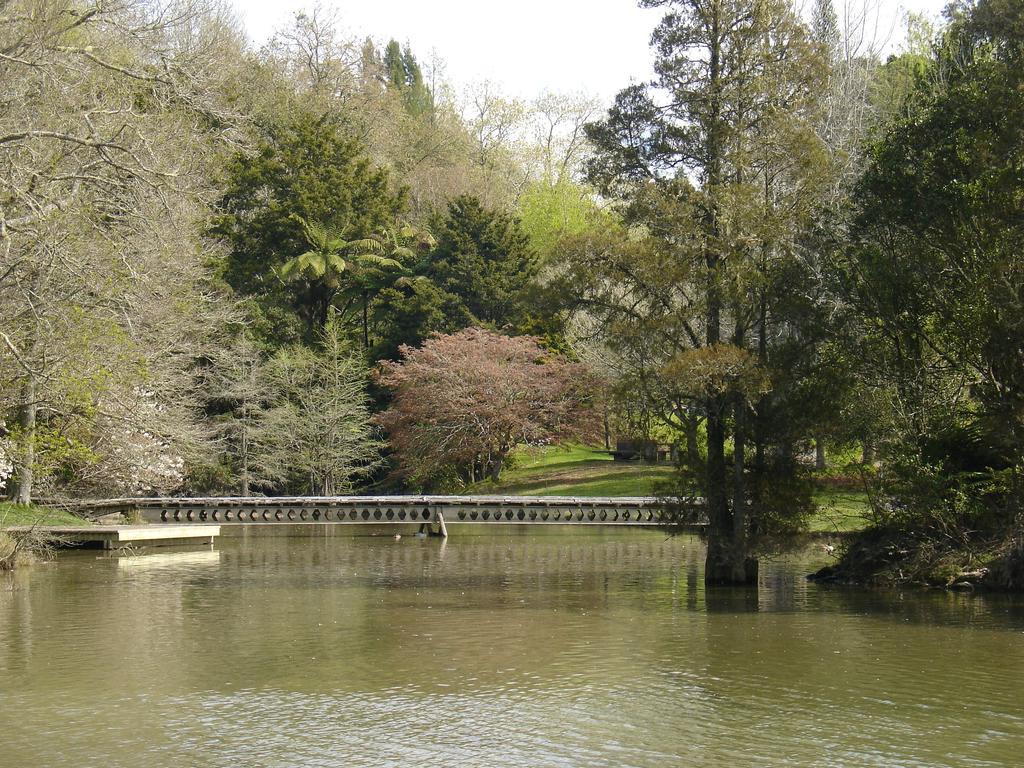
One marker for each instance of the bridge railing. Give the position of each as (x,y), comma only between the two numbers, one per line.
(537,510)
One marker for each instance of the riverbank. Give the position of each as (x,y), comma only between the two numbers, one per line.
(27,546)
(889,557)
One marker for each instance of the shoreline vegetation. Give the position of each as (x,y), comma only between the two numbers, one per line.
(891,557)
(25,547)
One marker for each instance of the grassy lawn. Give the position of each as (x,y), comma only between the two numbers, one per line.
(16,514)
(840,509)
(581,471)
(573,471)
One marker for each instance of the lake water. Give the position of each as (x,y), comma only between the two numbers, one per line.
(498,647)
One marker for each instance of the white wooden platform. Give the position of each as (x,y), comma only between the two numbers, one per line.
(118,536)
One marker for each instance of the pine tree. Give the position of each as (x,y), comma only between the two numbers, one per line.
(405,76)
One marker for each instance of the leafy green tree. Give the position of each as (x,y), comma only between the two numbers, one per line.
(933,275)
(481,272)
(410,311)
(551,212)
(303,169)
(330,263)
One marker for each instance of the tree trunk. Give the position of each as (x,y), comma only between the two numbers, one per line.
(819,454)
(762,403)
(724,564)
(245,475)
(21,492)
(868,453)
(245,457)
(719,567)
(495,468)
(366,322)
(692,445)
(607,430)
(740,522)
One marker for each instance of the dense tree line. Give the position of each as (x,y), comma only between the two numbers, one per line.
(191,227)
(230,270)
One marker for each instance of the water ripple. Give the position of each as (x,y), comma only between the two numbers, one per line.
(494,650)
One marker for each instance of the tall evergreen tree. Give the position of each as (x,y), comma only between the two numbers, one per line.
(825,28)
(934,275)
(405,75)
(705,155)
(484,259)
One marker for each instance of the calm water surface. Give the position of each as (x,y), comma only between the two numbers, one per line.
(495,648)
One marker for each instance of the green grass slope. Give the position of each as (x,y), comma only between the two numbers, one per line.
(587,472)
(573,471)
(17,514)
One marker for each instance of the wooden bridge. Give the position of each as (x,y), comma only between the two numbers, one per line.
(387,510)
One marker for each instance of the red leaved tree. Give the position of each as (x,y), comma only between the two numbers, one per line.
(464,400)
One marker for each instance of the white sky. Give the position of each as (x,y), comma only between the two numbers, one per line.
(525,46)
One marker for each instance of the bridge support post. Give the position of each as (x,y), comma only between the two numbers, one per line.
(428,528)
